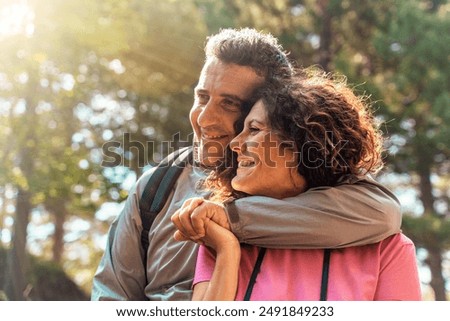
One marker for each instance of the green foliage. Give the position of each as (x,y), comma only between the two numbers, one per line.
(160,60)
(51,283)
(216,14)
(48,282)
(427,231)
(125,50)
(59,79)
(416,81)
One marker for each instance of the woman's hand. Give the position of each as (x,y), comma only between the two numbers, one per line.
(191,219)
(206,223)
(218,238)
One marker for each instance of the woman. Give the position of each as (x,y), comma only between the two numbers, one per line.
(302,134)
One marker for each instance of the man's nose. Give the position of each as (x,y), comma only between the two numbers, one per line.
(208,115)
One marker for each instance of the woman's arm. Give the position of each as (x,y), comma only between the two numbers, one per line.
(224,280)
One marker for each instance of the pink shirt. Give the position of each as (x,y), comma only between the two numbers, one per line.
(386,270)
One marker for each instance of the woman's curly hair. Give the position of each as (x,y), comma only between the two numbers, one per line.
(331,129)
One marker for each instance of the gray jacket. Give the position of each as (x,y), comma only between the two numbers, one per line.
(358,211)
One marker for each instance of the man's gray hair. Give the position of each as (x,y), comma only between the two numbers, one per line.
(252,48)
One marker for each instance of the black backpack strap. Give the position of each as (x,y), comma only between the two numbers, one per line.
(169,179)
(256,269)
(158,189)
(323,285)
(325,272)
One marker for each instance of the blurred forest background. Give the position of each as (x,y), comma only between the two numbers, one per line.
(76,74)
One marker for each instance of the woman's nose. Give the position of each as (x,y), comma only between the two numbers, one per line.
(236,144)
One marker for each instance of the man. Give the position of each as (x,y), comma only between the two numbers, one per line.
(237,62)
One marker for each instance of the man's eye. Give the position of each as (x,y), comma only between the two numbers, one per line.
(231,104)
(202,99)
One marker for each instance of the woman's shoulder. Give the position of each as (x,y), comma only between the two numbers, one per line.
(398,240)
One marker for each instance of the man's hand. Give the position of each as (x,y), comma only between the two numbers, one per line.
(193,216)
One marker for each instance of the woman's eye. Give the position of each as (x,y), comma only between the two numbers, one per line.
(253,129)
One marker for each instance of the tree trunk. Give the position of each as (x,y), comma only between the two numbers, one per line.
(325,52)
(2,213)
(57,207)
(432,245)
(18,263)
(58,236)
(18,270)
(437,283)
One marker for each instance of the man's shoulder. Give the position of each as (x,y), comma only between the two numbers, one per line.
(176,159)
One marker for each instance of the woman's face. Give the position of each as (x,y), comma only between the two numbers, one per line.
(266,167)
